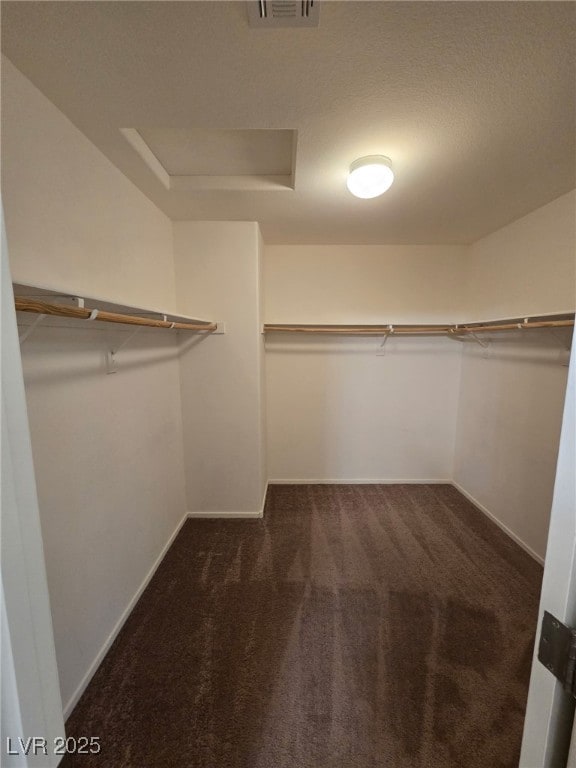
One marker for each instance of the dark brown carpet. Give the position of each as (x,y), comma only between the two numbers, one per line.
(353,627)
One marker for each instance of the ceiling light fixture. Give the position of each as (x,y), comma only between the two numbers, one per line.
(370,176)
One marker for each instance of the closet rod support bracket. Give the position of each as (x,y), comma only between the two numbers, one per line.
(31,328)
(381,351)
(564,341)
(126,341)
(111,362)
(478,340)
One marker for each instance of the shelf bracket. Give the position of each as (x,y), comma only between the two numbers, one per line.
(31,328)
(563,341)
(381,351)
(478,340)
(455,333)
(111,363)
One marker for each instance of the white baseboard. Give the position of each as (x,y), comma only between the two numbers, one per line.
(119,624)
(233,514)
(356,481)
(227,514)
(498,522)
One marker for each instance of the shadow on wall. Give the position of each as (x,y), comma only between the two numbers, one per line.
(539,346)
(509,420)
(108,456)
(82,352)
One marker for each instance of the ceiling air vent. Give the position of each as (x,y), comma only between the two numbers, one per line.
(283,13)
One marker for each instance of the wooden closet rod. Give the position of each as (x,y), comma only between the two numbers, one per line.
(81,313)
(399,330)
(368,330)
(514,326)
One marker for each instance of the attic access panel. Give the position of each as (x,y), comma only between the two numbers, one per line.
(196,160)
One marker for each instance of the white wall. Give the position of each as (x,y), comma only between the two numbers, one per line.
(525,268)
(109,468)
(336,409)
(509,417)
(363,283)
(108,450)
(75,223)
(339,411)
(511,399)
(217,270)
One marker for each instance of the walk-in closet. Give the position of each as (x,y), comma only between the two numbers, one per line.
(288,298)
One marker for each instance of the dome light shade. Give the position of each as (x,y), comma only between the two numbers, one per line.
(370,176)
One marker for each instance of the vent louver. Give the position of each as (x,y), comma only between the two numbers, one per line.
(283,13)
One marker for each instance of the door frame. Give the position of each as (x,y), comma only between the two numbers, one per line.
(31,702)
(550,711)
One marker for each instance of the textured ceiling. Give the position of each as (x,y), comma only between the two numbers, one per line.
(473,101)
